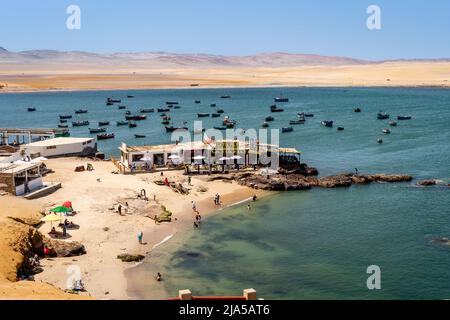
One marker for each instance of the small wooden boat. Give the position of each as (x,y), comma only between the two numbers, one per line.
(122,107)
(293,122)
(275,109)
(109,103)
(172,129)
(203,115)
(163,109)
(177,107)
(130,97)
(136,118)
(62,121)
(172,102)
(287,129)
(103,123)
(404,118)
(105,136)
(357,110)
(215,115)
(228,121)
(382,116)
(167,118)
(197,101)
(265,125)
(386,131)
(393,123)
(127,112)
(165,122)
(111,100)
(270,119)
(213,105)
(97,130)
(327,123)
(65,116)
(147,110)
(80,111)
(31,109)
(132,124)
(341,128)
(63,126)
(220,111)
(225,97)
(281,99)
(122,123)
(170,106)
(80,123)
(380,141)
(305,115)
(139,136)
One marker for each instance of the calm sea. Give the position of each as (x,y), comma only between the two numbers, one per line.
(303,245)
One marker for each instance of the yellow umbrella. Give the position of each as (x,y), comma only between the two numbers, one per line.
(52,217)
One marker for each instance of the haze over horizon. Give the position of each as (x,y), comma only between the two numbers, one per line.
(410,29)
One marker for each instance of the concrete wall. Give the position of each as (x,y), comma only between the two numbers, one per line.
(9,181)
(61,150)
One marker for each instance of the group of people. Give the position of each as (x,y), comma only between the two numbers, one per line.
(217,201)
(125,208)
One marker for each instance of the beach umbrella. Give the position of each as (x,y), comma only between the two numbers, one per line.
(67,204)
(199,158)
(147,157)
(52,217)
(236,158)
(174,156)
(61,209)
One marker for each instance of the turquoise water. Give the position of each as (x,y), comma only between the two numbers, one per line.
(303,245)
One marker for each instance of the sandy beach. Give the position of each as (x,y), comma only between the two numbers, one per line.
(106,234)
(70,77)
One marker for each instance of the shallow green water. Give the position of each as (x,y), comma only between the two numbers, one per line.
(303,245)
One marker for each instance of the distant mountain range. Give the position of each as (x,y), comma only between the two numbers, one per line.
(166,59)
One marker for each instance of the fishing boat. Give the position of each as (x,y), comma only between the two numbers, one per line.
(281,99)
(97,130)
(302,117)
(65,116)
(269,119)
(167,118)
(163,109)
(215,115)
(111,100)
(147,110)
(393,123)
(327,123)
(127,112)
(404,118)
(341,128)
(170,106)
(177,107)
(287,129)
(265,125)
(213,105)
(105,136)
(103,123)
(62,121)
(382,116)
(63,126)
(386,131)
(227,121)
(109,103)
(122,107)
(130,97)
(132,124)
(172,102)
(172,129)
(197,101)
(225,97)
(136,118)
(80,111)
(139,136)
(380,141)
(31,109)
(203,115)
(220,111)
(306,115)
(80,123)
(357,110)
(293,122)
(122,123)
(165,122)
(275,109)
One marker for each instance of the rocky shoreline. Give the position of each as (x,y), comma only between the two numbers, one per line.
(306,178)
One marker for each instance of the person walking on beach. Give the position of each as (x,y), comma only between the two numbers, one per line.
(158,277)
(255,198)
(195,224)
(140,236)
(198,218)
(194,206)
(189,181)
(119,209)
(249,207)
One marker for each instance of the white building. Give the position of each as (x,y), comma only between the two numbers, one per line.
(20,179)
(61,147)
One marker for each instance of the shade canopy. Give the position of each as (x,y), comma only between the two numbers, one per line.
(224,159)
(147,157)
(199,158)
(61,209)
(174,156)
(236,158)
(52,217)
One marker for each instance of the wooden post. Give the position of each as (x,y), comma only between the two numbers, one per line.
(250,294)
(185,294)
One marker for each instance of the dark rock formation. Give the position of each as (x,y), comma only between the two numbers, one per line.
(130,257)
(60,248)
(426,183)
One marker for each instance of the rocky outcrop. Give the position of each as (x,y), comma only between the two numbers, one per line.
(130,257)
(59,248)
(427,183)
(292,181)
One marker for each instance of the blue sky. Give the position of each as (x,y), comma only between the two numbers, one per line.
(410,28)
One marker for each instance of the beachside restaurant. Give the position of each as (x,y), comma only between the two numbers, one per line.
(20,179)
(215,156)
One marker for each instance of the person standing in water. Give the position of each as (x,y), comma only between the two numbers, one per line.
(140,237)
